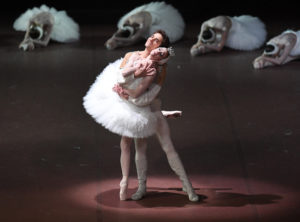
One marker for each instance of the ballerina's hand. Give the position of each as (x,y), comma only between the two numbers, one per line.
(124,95)
(260,62)
(118,89)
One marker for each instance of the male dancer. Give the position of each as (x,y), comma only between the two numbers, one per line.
(158,39)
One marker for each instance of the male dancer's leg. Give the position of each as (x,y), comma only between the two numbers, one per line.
(163,135)
(141,167)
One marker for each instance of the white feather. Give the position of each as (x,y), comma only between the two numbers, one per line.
(164,17)
(246,33)
(296,50)
(65,29)
(21,23)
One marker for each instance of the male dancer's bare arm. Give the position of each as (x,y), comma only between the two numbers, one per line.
(126,57)
(142,88)
(145,83)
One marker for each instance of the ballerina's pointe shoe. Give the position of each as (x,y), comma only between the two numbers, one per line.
(172,114)
(123,190)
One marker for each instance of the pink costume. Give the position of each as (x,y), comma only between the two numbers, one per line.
(136,66)
(140,66)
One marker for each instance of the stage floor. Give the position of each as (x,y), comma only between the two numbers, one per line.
(238,138)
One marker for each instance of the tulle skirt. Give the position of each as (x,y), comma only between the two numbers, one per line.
(296,50)
(246,33)
(65,29)
(114,113)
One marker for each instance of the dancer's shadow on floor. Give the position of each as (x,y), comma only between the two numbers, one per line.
(174,197)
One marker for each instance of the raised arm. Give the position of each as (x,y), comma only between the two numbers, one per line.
(281,58)
(213,35)
(47,35)
(219,43)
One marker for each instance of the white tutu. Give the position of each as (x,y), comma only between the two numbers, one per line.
(246,33)
(65,29)
(296,50)
(114,113)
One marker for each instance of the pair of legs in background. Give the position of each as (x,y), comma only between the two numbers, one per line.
(163,135)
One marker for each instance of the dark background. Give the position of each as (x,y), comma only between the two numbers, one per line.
(106,12)
(238,138)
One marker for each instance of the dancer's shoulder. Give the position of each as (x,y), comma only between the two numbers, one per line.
(128,54)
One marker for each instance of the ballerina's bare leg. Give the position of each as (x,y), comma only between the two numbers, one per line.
(125,165)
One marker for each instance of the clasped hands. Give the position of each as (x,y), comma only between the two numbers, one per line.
(121,91)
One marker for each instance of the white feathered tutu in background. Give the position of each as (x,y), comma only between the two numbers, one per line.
(296,49)
(65,29)
(246,33)
(164,16)
(114,113)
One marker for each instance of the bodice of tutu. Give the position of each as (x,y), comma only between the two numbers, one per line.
(130,82)
(114,113)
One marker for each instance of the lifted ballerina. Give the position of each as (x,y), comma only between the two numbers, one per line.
(133,122)
(140,67)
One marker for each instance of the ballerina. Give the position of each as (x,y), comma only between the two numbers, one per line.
(133,122)
(142,21)
(280,50)
(118,114)
(136,68)
(44,23)
(243,32)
